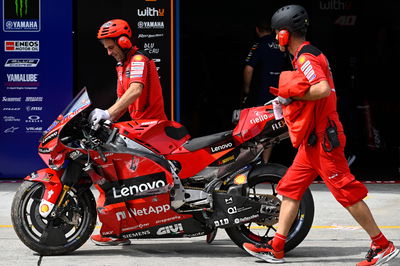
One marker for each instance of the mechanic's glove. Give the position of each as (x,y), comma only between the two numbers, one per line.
(98,114)
(284,101)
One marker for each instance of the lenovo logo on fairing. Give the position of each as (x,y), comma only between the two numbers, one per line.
(221,147)
(170,229)
(135,189)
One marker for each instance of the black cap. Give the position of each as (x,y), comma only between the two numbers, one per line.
(292,18)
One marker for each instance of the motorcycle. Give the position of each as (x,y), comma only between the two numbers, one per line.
(154,181)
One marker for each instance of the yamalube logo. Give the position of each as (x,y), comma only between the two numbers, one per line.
(21,15)
(170,229)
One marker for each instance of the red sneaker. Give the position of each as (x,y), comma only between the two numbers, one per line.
(377,256)
(265,252)
(100,240)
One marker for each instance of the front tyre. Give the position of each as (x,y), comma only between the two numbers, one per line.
(261,188)
(58,235)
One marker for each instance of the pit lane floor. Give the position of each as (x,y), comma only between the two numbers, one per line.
(334,239)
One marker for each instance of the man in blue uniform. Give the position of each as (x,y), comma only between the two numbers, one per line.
(263,65)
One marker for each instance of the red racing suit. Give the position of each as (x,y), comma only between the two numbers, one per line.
(139,68)
(316,116)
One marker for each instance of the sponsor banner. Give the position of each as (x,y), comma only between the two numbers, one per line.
(154,32)
(35,88)
(21,15)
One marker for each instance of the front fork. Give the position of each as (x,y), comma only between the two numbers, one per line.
(57,185)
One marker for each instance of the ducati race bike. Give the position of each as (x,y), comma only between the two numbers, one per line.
(154,181)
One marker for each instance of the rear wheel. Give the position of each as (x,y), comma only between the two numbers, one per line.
(58,235)
(262,188)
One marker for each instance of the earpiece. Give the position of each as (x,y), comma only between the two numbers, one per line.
(124,42)
(283,37)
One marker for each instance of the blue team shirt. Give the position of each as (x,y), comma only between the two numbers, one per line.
(268,62)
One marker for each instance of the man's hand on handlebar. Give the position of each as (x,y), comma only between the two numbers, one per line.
(97,115)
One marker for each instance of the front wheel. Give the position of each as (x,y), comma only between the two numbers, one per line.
(262,188)
(58,235)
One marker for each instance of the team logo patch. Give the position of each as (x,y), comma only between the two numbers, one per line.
(302,59)
(137,69)
(308,71)
(138,57)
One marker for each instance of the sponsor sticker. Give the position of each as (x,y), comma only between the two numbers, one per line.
(171,229)
(151,12)
(22,62)
(21,15)
(221,147)
(150,24)
(128,189)
(22,46)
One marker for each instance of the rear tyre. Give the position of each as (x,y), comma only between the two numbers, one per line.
(53,236)
(262,186)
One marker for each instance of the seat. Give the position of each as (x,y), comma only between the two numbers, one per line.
(201,142)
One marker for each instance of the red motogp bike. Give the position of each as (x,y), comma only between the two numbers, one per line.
(154,181)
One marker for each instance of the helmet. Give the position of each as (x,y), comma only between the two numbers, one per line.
(292,18)
(114,29)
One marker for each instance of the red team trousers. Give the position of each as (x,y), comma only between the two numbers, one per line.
(313,161)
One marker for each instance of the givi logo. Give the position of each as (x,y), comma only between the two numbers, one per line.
(171,229)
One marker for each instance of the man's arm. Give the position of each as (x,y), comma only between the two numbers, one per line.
(317,91)
(120,106)
(247,75)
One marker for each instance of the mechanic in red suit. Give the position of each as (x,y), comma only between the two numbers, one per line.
(138,87)
(309,109)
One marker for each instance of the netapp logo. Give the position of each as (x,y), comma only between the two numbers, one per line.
(170,229)
(221,147)
(151,210)
(22,62)
(21,46)
(129,188)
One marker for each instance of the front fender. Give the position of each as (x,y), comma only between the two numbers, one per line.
(51,179)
